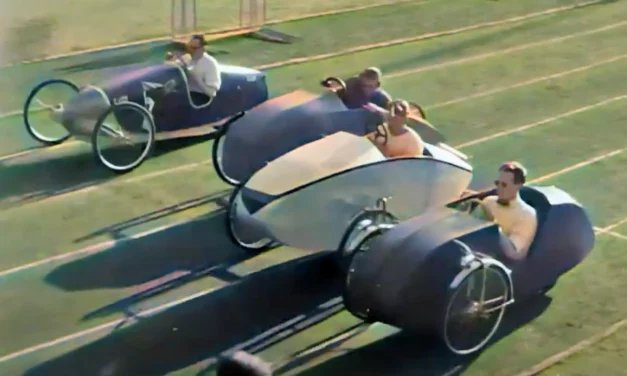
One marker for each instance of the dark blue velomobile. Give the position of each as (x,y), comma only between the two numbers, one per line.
(414,256)
(288,122)
(124,116)
(447,273)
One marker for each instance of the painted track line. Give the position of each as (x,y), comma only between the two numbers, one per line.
(614,225)
(106,183)
(394,42)
(561,356)
(541,122)
(174,303)
(611,233)
(95,248)
(102,246)
(401,73)
(437,66)
(214,32)
(528,82)
(506,51)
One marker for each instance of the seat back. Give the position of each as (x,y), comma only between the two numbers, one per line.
(541,204)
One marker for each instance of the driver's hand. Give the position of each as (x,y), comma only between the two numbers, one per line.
(486,213)
(169,56)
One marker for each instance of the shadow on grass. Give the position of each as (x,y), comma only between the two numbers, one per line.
(208,325)
(196,247)
(405,355)
(45,178)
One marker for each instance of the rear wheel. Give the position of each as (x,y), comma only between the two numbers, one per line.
(475,310)
(249,239)
(123,137)
(43,103)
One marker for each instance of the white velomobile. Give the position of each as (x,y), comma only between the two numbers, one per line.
(307,197)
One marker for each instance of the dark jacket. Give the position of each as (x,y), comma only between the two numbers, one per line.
(356,97)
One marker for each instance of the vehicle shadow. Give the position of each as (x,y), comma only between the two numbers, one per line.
(50,177)
(403,354)
(239,315)
(193,247)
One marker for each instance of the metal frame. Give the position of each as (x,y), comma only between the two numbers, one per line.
(252,16)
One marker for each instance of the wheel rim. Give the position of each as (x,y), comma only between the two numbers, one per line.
(475,310)
(218,161)
(245,239)
(43,110)
(364,225)
(124,137)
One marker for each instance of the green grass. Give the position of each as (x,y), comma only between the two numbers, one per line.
(316,36)
(66,290)
(603,358)
(35,28)
(462,122)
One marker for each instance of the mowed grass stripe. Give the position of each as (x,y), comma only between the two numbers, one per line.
(29,282)
(117,194)
(430,80)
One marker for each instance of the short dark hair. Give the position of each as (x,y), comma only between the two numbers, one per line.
(372,73)
(200,38)
(242,364)
(516,169)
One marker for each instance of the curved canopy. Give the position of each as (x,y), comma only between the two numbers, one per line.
(284,124)
(305,209)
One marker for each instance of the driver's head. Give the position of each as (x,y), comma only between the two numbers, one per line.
(370,80)
(512,176)
(242,364)
(196,44)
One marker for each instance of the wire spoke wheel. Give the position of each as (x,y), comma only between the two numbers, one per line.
(475,310)
(246,237)
(123,137)
(43,108)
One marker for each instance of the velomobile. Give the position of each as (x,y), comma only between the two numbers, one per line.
(123,117)
(247,143)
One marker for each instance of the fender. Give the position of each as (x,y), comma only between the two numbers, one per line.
(471,262)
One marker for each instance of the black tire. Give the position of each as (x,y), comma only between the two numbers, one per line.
(259,246)
(101,126)
(471,318)
(29,101)
(216,152)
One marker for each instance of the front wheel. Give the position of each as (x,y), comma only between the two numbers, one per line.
(247,238)
(475,310)
(42,110)
(217,153)
(123,137)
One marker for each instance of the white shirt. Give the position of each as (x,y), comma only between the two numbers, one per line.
(517,220)
(207,70)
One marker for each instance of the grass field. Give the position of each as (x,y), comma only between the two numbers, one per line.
(134,274)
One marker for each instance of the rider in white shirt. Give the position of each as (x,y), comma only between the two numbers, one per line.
(204,71)
(516,218)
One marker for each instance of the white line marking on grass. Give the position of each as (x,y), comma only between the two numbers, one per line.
(431,35)
(541,122)
(611,233)
(506,51)
(95,248)
(614,225)
(527,83)
(561,356)
(183,300)
(579,165)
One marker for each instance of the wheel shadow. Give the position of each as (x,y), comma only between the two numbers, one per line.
(193,248)
(50,177)
(403,354)
(239,315)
